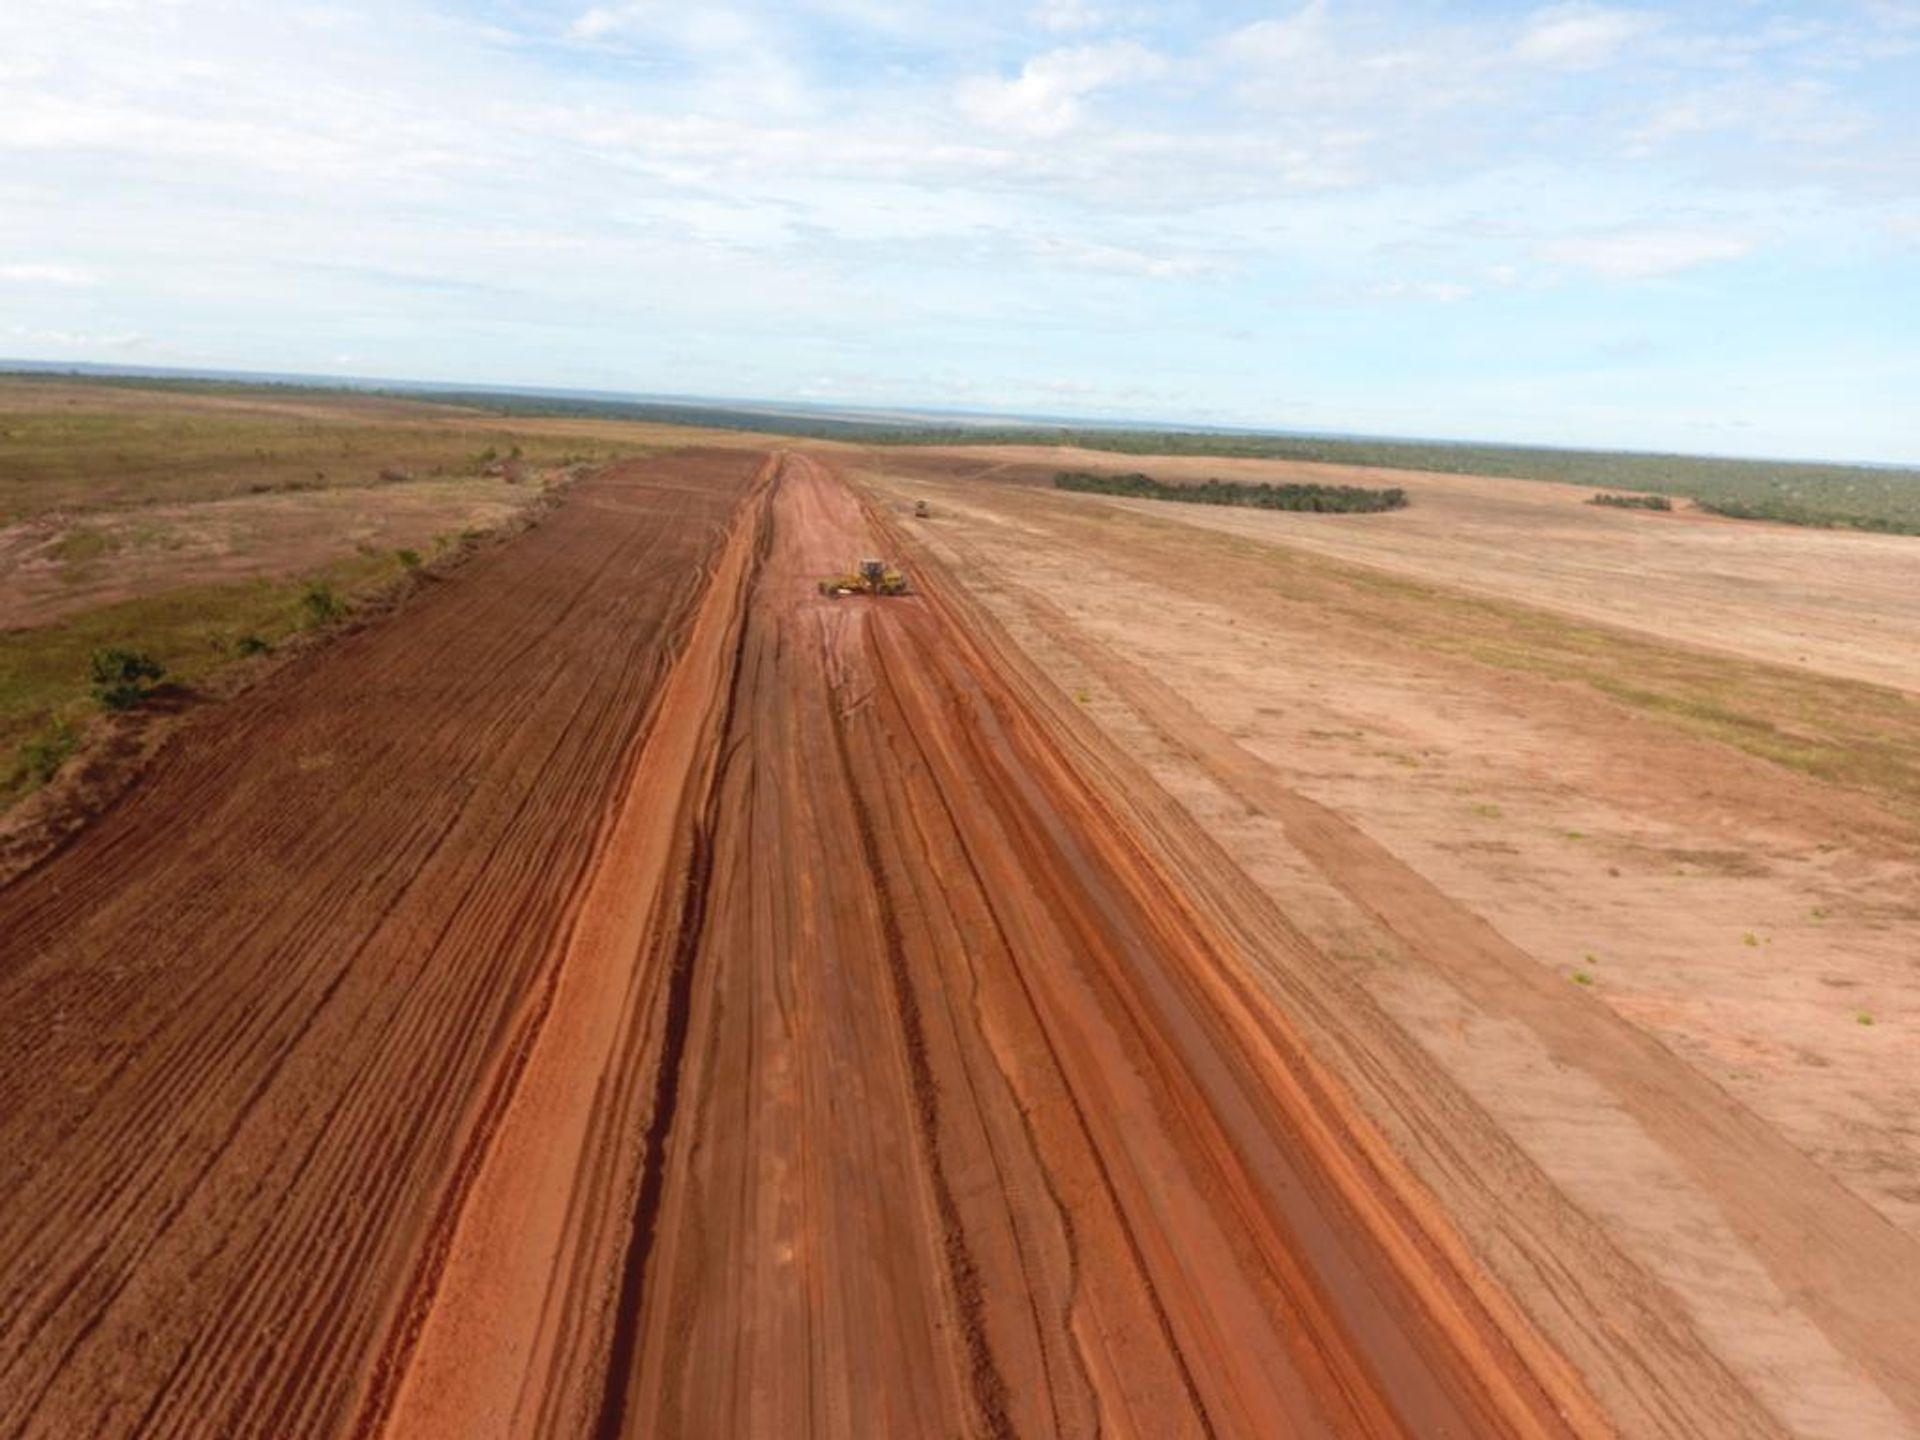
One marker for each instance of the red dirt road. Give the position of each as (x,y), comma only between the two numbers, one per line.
(794,1042)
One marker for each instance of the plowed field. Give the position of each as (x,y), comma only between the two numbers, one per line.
(252,1021)
(632,994)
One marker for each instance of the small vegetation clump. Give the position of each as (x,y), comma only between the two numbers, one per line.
(251,645)
(43,755)
(409,559)
(1632,502)
(123,679)
(322,605)
(1339,499)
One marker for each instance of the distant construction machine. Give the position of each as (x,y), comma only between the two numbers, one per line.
(870,577)
(921,510)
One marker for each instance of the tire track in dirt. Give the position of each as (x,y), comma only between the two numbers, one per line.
(1826,1247)
(972,1136)
(251,1013)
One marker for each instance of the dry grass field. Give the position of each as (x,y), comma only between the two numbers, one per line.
(191,524)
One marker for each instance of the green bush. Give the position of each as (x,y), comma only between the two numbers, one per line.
(409,559)
(252,645)
(1343,499)
(1633,502)
(321,604)
(123,678)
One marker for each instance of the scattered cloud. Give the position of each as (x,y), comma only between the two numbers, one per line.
(1646,252)
(1047,98)
(744,196)
(1282,41)
(1079,254)
(1580,36)
(78,344)
(1066,17)
(39,274)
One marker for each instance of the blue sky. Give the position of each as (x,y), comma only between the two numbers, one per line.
(1693,226)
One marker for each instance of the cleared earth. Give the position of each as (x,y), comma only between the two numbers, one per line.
(1156,979)
(1650,904)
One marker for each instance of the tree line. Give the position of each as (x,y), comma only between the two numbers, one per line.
(1334,499)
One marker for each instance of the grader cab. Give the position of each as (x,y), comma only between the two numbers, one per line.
(870,577)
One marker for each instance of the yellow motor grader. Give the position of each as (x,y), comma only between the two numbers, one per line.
(869,577)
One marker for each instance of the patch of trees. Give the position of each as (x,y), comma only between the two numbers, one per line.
(123,679)
(1633,502)
(1788,512)
(1332,499)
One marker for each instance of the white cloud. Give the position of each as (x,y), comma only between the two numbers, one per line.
(1074,253)
(604,21)
(87,345)
(1044,99)
(739,196)
(1064,17)
(1282,41)
(1374,292)
(1646,252)
(38,274)
(1580,36)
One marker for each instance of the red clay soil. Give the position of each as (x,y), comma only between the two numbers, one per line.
(797,1045)
(251,1020)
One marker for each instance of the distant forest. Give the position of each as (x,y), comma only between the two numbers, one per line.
(1795,492)
(1860,497)
(1333,499)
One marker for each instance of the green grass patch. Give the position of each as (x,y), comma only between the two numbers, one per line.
(46,674)
(84,544)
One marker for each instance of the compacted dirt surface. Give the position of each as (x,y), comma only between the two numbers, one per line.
(1617,924)
(630,993)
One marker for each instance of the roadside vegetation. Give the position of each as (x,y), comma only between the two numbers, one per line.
(1334,499)
(54,678)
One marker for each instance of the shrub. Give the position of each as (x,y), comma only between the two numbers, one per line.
(322,605)
(409,559)
(43,755)
(123,678)
(252,645)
